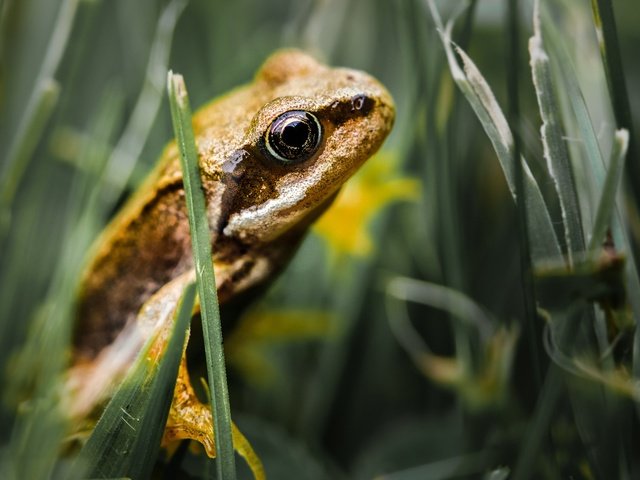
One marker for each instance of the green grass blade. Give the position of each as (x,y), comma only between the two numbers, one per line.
(201,244)
(556,46)
(475,88)
(126,439)
(43,358)
(126,153)
(607,203)
(532,322)
(40,105)
(37,113)
(555,149)
(596,164)
(538,429)
(605,25)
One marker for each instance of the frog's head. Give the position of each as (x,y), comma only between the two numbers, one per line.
(310,129)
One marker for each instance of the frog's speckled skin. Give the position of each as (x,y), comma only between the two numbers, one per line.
(258,209)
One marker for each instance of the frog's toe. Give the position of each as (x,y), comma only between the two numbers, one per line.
(189,418)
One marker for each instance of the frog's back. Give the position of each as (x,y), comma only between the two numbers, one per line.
(143,248)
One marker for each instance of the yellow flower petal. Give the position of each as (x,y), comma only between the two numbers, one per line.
(344,226)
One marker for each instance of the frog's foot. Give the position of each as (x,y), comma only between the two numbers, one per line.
(190,419)
(89,384)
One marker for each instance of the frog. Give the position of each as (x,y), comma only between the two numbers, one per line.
(273,155)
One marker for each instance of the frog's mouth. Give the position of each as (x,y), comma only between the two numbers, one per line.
(314,214)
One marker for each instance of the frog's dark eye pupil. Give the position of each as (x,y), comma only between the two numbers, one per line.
(293,136)
(295,133)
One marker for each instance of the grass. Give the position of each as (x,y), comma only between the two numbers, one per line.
(489,334)
(201,244)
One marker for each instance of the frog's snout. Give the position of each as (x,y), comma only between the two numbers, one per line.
(374,101)
(387,111)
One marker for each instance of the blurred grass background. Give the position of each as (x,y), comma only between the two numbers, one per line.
(368,367)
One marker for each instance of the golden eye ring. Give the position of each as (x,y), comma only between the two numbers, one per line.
(293,137)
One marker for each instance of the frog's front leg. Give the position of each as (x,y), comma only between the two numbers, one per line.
(90,383)
(189,419)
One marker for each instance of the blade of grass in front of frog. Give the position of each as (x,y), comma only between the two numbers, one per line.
(201,244)
(39,109)
(126,439)
(544,243)
(121,166)
(43,358)
(605,25)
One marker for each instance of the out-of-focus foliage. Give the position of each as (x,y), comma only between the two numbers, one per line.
(453,334)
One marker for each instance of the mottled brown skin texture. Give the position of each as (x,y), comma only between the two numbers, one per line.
(258,209)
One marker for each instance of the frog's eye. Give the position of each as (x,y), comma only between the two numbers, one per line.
(293,136)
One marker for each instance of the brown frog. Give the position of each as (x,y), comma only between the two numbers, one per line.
(273,155)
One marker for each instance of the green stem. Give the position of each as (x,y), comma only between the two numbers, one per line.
(201,244)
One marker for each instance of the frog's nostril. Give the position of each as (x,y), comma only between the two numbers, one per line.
(362,104)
